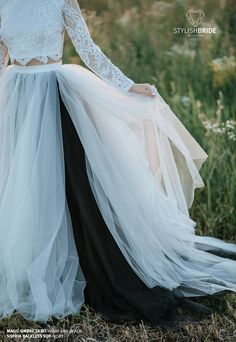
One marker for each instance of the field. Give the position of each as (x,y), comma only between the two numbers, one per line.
(197,77)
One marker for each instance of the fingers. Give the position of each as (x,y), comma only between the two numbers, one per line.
(150,90)
(144,89)
(154,90)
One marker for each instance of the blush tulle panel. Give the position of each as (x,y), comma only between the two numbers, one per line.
(142,166)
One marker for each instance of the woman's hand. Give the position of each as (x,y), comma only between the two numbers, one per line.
(144,88)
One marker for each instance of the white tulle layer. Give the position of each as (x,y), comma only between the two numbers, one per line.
(40,275)
(143,167)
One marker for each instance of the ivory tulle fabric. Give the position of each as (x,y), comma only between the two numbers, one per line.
(143,167)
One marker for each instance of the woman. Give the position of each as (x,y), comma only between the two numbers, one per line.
(96,178)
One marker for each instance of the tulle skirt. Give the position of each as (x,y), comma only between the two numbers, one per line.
(95,187)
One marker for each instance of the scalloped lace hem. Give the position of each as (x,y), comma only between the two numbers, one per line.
(42,59)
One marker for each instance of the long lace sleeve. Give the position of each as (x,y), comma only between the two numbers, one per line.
(89,52)
(4,56)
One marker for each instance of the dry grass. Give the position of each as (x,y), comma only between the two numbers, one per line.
(89,326)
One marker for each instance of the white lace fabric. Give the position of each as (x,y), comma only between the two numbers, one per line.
(35,30)
(4,56)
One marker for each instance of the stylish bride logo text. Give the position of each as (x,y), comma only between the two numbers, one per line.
(195,17)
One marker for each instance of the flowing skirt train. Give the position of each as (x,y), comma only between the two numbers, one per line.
(95,186)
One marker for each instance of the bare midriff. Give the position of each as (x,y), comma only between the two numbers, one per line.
(36,62)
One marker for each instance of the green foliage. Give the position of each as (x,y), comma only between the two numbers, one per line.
(195,75)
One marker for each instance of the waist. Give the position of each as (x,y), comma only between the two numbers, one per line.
(36,68)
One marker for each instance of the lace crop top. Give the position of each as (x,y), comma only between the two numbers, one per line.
(34,29)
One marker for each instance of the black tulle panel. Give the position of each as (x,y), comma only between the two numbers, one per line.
(113,288)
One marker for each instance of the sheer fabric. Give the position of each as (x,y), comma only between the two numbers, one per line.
(141,162)
(147,215)
(38,33)
(119,293)
(144,210)
(40,275)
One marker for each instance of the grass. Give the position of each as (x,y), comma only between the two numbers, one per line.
(89,326)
